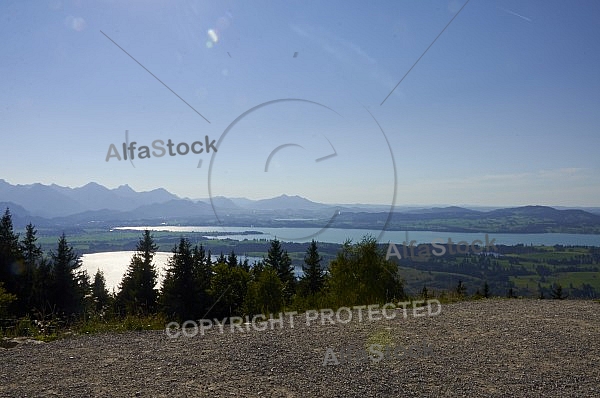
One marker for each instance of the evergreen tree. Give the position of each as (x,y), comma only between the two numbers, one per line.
(10,254)
(314,277)
(486,290)
(32,252)
(138,293)
(557,292)
(68,287)
(424,293)
(5,300)
(232,259)
(41,302)
(182,295)
(541,295)
(245,264)
(32,255)
(257,269)
(100,295)
(203,273)
(280,261)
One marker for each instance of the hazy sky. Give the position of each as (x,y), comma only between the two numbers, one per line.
(502,110)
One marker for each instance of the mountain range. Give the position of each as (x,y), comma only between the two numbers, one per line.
(54,204)
(54,200)
(93,204)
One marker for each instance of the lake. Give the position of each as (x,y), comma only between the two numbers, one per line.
(338,235)
(114,265)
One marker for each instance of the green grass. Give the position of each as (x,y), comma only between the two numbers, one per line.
(577,278)
(53,330)
(565,279)
(129,323)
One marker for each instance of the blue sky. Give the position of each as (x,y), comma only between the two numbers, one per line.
(501,111)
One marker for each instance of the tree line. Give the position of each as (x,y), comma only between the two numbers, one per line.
(195,286)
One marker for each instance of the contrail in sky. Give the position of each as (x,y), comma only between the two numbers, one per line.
(515,14)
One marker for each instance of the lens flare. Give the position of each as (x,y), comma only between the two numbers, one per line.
(76,23)
(212,34)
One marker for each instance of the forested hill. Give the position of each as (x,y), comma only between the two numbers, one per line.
(526,219)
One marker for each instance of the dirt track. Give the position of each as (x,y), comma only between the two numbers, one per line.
(526,348)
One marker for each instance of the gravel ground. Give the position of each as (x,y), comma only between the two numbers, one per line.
(486,348)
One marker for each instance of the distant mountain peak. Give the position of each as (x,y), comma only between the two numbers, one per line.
(124,188)
(93,184)
(160,190)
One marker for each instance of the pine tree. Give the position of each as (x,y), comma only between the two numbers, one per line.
(32,252)
(5,300)
(486,290)
(68,287)
(424,293)
(232,260)
(245,264)
(280,261)
(203,273)
(100,294)
(10,254)
(41,302)
(138,293)
(257,269)
(541,295)
(148,293)
(557,292)
(314,278)
(183,296)
(32,255)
